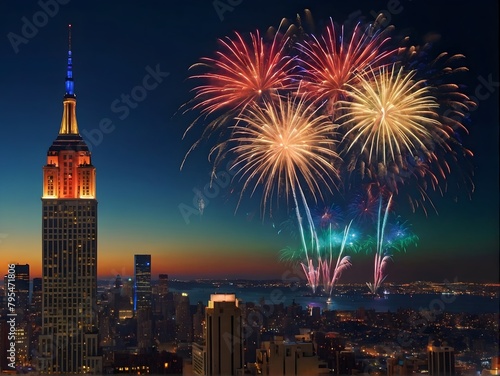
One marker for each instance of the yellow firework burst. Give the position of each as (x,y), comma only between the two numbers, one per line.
(389,118)
(285,146)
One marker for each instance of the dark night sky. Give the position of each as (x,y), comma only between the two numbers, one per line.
(140,186)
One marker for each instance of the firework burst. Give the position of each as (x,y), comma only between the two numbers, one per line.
(363,206)
(326,216)
(241,74)
(389,124)
(334,61)
(287,147)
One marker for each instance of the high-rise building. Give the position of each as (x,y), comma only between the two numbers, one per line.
(161,294)
(22,287)
(143,301)
(199,322)
(278,357)
(441,360)
(35,319)
(142,282)
(163,285)
(69,339)
(183,319)
(36,296)
(224,337)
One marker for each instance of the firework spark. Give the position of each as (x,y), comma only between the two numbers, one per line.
(335,60)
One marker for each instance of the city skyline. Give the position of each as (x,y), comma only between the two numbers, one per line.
(138,150)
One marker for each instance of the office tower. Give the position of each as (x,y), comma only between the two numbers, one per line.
(143,301)
(35,315)
(36,296)
(183,319)
(142,282)
(199,360)
(128,289)
(278,357)
(22,287)
(161,294)
(224,342)
(69,339)
(118,284)
(199,322)
(22,344)
(144,328)
(163,285)
(441,360)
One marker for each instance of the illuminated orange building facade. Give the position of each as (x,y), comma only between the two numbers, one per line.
(69,339)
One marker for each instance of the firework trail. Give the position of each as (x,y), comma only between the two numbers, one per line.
(381,259)
(390,237)
(286,146)
(331,270)
(332,63)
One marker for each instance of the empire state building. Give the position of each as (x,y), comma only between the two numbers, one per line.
(69,339)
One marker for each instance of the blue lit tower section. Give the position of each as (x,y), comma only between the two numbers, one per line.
(142,282)
(69,341)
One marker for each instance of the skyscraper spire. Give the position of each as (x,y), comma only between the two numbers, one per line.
(69,125)
(70,85)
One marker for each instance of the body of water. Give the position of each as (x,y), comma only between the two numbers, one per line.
(391,302)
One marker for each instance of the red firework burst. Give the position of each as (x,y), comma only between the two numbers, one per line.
(242,73)
(336,59)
